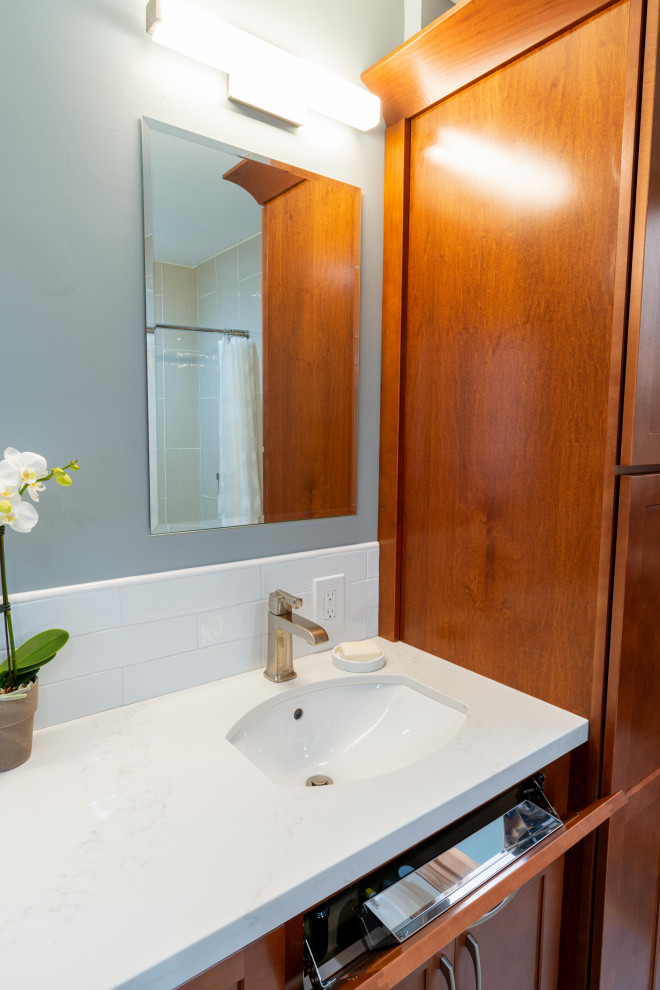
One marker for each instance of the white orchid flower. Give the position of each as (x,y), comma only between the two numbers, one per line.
(10,479)
(31,468)
(18,514)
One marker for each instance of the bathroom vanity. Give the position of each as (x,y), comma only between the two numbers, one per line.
(514,945)
(160,850)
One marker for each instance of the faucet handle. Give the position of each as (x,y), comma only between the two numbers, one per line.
(280,602)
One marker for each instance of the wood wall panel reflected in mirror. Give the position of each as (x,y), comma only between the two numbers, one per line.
(252,301)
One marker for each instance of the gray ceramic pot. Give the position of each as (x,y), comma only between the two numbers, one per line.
(16,725)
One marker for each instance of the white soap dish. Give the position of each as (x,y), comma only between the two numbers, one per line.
(357,664)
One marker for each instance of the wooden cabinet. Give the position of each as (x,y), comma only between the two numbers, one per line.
(438,974)
(632,739)
(517,937)
(640,440)
(517,228)
(514,945)
(521,379)
(517,945)
(259,966)
(627,931)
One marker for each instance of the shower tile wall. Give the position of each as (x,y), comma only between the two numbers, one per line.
(223,292)
(176,387)
(229,297)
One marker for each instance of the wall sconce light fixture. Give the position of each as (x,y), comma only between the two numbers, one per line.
(260,75)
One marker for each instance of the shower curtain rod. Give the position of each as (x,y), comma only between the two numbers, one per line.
(172,326)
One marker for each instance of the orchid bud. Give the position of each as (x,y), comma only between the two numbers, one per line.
(58,471)
(63,479)
(74,466)
(5,507)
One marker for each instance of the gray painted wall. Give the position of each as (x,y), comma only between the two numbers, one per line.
(76,76)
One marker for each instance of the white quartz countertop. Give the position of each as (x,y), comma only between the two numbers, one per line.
(139,846)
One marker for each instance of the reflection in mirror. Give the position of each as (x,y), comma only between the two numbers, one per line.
(252,296)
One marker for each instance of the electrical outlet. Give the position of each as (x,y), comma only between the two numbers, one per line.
(329,602)
(330,605)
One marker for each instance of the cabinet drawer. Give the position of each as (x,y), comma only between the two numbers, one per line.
(387,970)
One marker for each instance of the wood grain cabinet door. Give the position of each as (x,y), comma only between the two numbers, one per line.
(437,974)
(517,257)
(640,440)
(628,955)
(517,946)
(632,741)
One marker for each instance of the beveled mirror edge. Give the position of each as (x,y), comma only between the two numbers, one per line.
(147,126)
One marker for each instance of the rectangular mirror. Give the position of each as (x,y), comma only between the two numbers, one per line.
(252,274)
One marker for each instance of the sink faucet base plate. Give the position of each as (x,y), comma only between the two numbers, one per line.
(277,678)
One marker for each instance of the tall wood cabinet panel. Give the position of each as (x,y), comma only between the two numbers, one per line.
(513,354)
(509,331)
(397,142)
(627,931)
(640,442)
(632,741)
(527,197)
(628,901)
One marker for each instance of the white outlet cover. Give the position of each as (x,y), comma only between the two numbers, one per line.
(320,587)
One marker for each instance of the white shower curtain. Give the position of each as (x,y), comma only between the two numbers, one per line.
(239,494)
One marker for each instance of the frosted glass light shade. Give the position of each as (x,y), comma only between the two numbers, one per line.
(260,75)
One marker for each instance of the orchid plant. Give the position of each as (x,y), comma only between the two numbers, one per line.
(22,473)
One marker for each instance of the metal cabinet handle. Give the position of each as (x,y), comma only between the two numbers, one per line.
(473,949)
(447,971)
(496,910)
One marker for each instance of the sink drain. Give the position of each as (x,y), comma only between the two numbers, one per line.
(319,780)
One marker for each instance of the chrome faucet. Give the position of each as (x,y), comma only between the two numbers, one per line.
(282,626)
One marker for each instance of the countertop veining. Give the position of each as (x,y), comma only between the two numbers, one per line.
(140,847)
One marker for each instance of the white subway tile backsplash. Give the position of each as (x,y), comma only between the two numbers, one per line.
(83,655)
(361,595)
(223,625)
(136,638)
(296,576)
(78,614)
(80,696)
(180,596)
(372,563)
(355,628)
(122,647)
(149,680)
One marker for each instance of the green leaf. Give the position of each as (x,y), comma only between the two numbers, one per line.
(39,649)
(31,670)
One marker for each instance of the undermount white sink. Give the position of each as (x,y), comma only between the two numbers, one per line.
(347,730)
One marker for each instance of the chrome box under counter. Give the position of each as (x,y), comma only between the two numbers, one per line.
(150,846)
